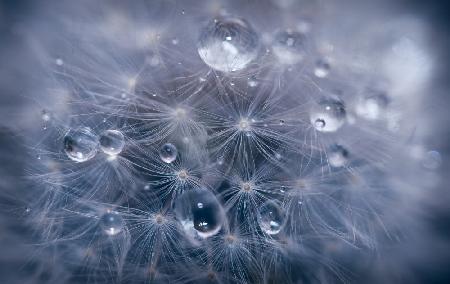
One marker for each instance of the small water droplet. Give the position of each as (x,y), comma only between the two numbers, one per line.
(112,223)
(168,153)
(337,156)
(328,115)
(112,142)
(80,144)
(432,160)
(322,68)
(271,218)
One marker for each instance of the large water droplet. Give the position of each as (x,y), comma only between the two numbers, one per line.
(168,153)
(228,44)
(112,142)
(289,46)
(328,115)
(80,144)
(271,218)
(199,213)
(112,223)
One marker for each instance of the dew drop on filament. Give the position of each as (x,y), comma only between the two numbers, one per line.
(228,44)
(80,144)
(328,115)
(168,153)
(199,212)
(271,218)
(112,142)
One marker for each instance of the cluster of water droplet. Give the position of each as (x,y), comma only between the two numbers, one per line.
(201,205)
(81,143)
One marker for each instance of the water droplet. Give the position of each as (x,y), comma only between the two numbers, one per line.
(175,41)
(337,156)
(432,160)
(322,68)
(271,218)
(112,223)
(371,107)
(328,115)
(252,82)
(112,142)
(59,62)
(199,213)
(228,44)
(289,47)
(45,116)
(168,153)
(80,144)
(319,123)
(147,187)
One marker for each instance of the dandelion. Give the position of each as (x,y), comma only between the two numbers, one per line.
(231,142)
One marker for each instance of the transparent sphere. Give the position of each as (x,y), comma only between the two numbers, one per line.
(271,218)
(432,160)
(337,156)
(289,47)
(322,68)
(168,153)
(199,213)
(112,142)
(112,223)
(372,107)
(228,44)
(80,144)
(328,115)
